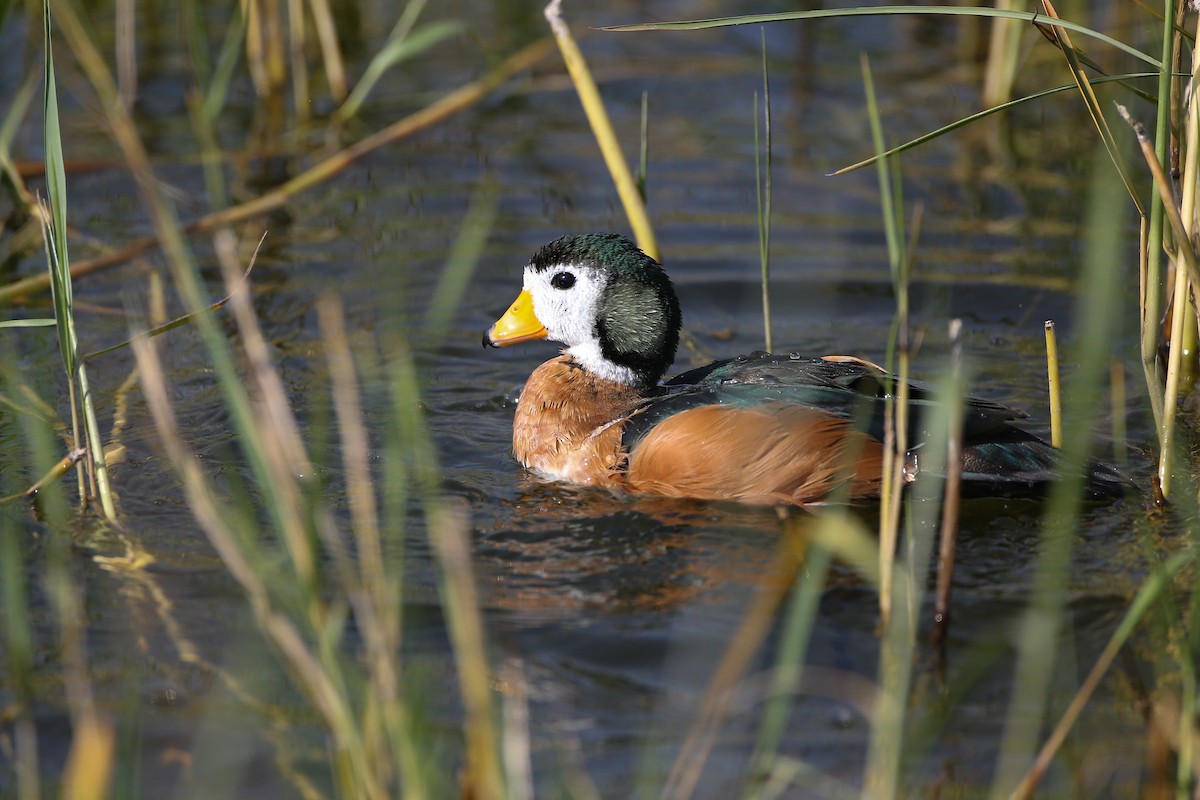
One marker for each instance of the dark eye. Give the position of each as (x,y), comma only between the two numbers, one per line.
(562,280)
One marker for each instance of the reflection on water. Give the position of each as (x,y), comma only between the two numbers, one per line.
(613,611)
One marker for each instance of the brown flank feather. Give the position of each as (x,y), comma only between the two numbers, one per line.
(766,455)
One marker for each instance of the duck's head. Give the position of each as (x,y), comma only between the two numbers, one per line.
(607,301)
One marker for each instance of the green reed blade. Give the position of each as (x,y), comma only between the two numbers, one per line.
(1152,300)
(392,53)
(56,186)
(216,90)
(28,323)
(961,123)
(463,258)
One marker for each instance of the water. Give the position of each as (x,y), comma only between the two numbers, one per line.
(615,610)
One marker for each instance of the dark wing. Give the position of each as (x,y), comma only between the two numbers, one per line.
(846,388)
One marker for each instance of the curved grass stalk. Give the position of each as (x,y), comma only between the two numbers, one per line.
(879,11)
(1063,40)
(953,126)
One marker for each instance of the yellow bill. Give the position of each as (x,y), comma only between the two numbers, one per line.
(519,324)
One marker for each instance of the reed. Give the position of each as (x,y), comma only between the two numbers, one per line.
(59,262)
(1054,384)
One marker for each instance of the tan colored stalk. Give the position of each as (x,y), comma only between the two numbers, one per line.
(1004,49)
(1063,39)
(1188,210)
(1054,385)
(331,51)
(57,471)
(301,97)
(1146,596)
(125,23)
(255,60)
(606,138)
(448,531)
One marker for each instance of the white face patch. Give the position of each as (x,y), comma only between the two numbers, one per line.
(570,315)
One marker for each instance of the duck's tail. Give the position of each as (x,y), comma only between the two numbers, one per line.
(1019,463)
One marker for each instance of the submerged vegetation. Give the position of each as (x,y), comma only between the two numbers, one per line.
(324,577)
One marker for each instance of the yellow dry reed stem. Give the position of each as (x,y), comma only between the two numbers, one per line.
(1004,50)
(1063,39)
(448,528)
(54,473)
(1175,349)
(606,138)
(331,51)
(90,762)
(1054,384)
(297,45)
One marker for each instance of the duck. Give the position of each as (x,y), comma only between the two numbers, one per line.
(758,429)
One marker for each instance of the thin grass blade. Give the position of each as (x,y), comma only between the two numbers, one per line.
(394,52)
(873,11)
(56,186)
(961,123)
